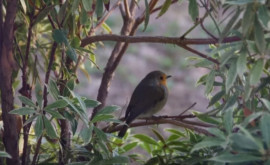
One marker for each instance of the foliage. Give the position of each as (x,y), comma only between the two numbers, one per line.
(48,39)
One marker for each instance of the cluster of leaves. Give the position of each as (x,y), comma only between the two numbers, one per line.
(239,107)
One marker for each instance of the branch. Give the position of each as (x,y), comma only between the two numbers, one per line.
(155,39)
(152,121)
(127,9)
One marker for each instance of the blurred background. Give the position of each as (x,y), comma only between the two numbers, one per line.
(142,58)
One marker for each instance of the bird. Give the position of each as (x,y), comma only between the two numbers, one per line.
(148,98)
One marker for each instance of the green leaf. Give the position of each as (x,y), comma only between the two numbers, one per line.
(265,129)
(75,6)
(248,19)
(146,139)
(206,143)
(83,17)
(164,8)
(23,111)
(100,134)
(82,104)
(69,87)
(229,25)
(59,36)
(231,76)
(101,118)
(49,128)
(259,36)
(30,119)
(130,146)
(113,160)
(256,71)
(266,103)
(53,90)
(210,82)
(4,154)
(176,132)
(159,136)
(228,120)
(39,126)
(62,12)
(71,53)
(87,5)
(217,132)
(99,9)
(75,42)
(193,9)
(216,98)
(241,63)
(108,110)
(55,114)
(91,103)
(147,15)
(251,118)
(57,104)
(241,141)
(263,16)
(235,158)
(238,2)
(86,134)
(27,101)
(206,118)
(42,14)
(39,94)
(230,102)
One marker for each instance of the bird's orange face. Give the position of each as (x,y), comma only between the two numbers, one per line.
(163,79)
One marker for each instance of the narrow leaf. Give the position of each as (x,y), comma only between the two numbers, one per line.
(99,9)
(193,9)
(228,120)
(216,98)
(256,71)
(259,36)
(87,5)
(23,111)
(164,8)
(208,142)
(39,126)
(231,76)
(39,94)
(57,104)
(147,15)
(265,129)
(241,63)
(27,101)
(49,128)
(210,82)
(236,158)
(55,114)
(146,139)
(248,19)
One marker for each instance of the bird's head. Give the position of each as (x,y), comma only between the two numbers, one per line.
(157,77)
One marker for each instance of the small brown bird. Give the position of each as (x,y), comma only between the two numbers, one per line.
(148,98)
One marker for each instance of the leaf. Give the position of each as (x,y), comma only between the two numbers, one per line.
(247,113)
(113,160)
(265,129)
(75,42)
(147,15)
(99,9)
(250,118)
(86,134)
(27,101)
(69,87)
(235,158)
(108,110)
(39,126)
(243,142)
(49,128)
(210,82)
(4,154)
(75,6)
(231,76)
(59,36)
(164,8)
(259,36)
(256,71)
(176,132)
(146,139)
(241,63)
(206,118)
(53,90)
(248,19)
(230,102)
(228,120)
(30,119)
(87,5)
(23,111)
(24,8)
(263,16)
(42,14)
(100,134)
(159,136)
(91,103)
(101,118)
(57,104)
(229,25)
(71,53)
(216,98)
(39,94)
(266,103)
(217,132)
(83,17)
(193,10)
(130,146)
(206,143)
(55,114)
(62,12)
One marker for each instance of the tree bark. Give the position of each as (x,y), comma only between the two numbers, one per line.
(7,65)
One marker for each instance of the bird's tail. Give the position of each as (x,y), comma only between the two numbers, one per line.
(123,131)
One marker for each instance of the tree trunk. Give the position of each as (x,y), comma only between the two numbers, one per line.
(7,65)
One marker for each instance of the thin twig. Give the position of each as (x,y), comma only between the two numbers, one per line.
(187,109)
(207,32)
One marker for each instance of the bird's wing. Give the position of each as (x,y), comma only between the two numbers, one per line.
(143,98)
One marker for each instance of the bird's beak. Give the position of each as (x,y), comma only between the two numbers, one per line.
(168,76)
